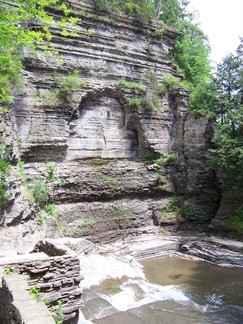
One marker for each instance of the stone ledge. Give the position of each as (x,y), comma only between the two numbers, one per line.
(17,302)
(57,278)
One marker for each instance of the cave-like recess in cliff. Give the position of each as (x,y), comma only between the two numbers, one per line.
(98,130)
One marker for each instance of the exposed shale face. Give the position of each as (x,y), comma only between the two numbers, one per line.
(95,133)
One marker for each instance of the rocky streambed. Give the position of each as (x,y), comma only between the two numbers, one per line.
(155,276)
(158,278)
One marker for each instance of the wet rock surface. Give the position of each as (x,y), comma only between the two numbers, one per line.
(222,252)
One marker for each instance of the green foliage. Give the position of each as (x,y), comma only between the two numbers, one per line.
(41,217)
(135,102)
(26,23)
(131,8)
(163,161)
(191,53)
(89,223)
(51,172)
(145,158)
(236,220)
(40,191)
(65,9)
(172,82)
(172,205)
(116,213)
(22,171)
(171,210)
(5,170)
(15,34)
(159,32)
(90,32)
(9,270)
(149,91)
(142,10)
(83,229)
(132,85)
(51,210)
(166,159)
(34,292)
(109,181)
(176,179)
(224,103)
(57,312)
(192,56)
(160,179)
(68,85)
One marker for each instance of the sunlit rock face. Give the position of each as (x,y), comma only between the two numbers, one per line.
(98,130)
(95,137)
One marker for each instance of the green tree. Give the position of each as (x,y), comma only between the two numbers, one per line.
(173,13)
(226,105)
(25,23)
(15,33)
(191,49)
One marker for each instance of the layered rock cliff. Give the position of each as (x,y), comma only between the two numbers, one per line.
(94,136)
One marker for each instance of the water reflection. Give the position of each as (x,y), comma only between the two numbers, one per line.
(176,291)
(203,282)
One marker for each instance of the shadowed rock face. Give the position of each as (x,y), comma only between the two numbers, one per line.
(114,195)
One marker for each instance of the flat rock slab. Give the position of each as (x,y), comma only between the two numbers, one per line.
(23,258)
(31,311)
(151,246)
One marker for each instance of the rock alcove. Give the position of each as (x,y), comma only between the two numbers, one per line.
(98,129)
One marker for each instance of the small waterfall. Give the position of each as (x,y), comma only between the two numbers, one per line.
(174,291)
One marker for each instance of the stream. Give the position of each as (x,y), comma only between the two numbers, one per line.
(168,289)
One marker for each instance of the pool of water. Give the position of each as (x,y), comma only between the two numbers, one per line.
(175,290)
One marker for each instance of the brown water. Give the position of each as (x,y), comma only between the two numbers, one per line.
(176,291)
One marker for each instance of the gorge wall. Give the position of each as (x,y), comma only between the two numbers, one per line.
(102,146)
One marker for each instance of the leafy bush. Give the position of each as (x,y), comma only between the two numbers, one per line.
(40,191)
(166,159)
(171,210)
(9,270)
(172,82)
(41,217)
(57,312)
(83,229)
(142,10)
(160,179)
(51,210)
(34,292)
(68,84)
(131,8)
(176,179)
(236,221)
(51,172)
(5,169)
(14,38)
(159,32)
(135,102)
(132,85)
(90,32)
(149,91)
